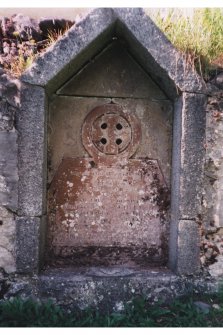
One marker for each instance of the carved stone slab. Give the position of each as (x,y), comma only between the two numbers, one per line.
(108,207)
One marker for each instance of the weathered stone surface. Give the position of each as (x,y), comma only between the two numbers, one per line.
(7,27)
(156,119)
(212,221)
(109,203)
(31,151)
(188,243)
(187,181)
(8,170)
(159,57)
(67,114)
(7,115)
(22,288)
(110,75)
(111,214)
(7,240)
(28,232)
(213,173)
(192,155)
(216,269)
(175,182)
(218,81)
(202,307)
(104,289)
(9,89)
(26,27)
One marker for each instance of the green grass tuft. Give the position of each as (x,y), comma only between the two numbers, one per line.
(139,313)
(199,38)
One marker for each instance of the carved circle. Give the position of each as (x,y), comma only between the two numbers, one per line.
(108,131)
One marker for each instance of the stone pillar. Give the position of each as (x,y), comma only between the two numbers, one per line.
(32,178)
(187,183)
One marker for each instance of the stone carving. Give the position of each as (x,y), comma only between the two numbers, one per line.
(109,208)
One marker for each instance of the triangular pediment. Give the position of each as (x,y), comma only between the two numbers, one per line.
(113,73)
(146,43)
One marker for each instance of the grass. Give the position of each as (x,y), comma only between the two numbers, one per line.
(55,35)
(199,38)
(139,313)
(22,62)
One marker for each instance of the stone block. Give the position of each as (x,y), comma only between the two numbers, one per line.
(7,114)
(192,155)
(8,170)
(9,89)
(188,248)
(31,151)
(7,240)
(28,230)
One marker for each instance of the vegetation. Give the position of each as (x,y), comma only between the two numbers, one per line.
(28,51)
(180,313)
(199,38)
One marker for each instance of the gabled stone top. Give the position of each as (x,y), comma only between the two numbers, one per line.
(145,42)
(113,73)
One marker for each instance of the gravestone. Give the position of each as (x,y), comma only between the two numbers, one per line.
(109,166)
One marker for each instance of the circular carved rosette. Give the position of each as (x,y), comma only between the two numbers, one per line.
(109,133)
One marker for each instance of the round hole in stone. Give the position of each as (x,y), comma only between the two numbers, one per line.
(1,222)
(104,126)
(118,141)
(103,140)
(119,126)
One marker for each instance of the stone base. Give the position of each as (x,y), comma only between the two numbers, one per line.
(105,289)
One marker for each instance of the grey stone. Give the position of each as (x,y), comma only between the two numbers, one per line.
(31,151)
(7,27)
(213,174)
(66,117)
(188,245)
(218,81)
(7,241)
(83,288)
(202,307)
(175,181)
(8,170)
(7,115)
(216,269)
(80,288)
(28,232)
(9,90)
(192,155)
(22,288)
(110,75)
(26,27)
